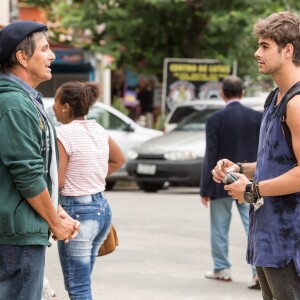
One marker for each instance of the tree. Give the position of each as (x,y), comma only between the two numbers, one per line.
(141,33)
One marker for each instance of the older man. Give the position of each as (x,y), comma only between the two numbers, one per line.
(28,163)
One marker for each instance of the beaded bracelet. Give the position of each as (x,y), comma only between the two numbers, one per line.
(241,171)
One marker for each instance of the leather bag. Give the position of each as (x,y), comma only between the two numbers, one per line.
(110,243)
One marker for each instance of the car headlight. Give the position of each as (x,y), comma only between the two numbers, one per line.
(180,155)
(132,154)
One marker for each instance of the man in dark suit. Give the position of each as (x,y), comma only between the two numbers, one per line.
(232,132)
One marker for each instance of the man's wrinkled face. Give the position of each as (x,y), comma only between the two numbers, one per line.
(38,66)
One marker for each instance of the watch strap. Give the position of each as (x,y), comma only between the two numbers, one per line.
(241,170)
(256,189)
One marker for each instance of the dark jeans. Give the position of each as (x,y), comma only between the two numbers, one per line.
(21,272)
(279,283)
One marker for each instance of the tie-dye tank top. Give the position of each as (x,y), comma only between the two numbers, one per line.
(274,229)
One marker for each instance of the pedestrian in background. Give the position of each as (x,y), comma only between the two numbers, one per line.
(230,132)
(274,232)
(28,163)
(87,155)
(145,93)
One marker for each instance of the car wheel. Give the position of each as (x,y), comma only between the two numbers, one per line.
(109,185)
(150,187)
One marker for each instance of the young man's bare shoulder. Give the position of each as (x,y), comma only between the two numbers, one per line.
(293,110)
(294,103)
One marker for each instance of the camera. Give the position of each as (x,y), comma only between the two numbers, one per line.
(229,178)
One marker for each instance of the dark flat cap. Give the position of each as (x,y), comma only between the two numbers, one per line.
(12,34)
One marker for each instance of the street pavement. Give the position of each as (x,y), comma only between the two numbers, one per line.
(164,251)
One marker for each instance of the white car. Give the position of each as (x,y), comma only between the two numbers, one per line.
(180,111)
(122,129)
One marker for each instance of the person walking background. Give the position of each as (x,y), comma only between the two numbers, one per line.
(273,242)
(145,93)
(231,132)
(28,163)
(87,155)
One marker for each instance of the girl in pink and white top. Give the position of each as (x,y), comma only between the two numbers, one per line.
(87,155)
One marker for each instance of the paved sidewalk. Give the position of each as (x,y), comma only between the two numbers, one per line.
(164,251)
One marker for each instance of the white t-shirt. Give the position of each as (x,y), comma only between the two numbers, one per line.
(86,144)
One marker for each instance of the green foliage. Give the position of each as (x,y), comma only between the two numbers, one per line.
(141,33)
(118,104)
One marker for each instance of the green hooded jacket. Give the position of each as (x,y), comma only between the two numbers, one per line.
(23,172)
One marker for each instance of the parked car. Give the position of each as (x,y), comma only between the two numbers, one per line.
(181,110)
(177,156)
(121,128)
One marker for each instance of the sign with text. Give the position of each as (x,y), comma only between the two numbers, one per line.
(190,79)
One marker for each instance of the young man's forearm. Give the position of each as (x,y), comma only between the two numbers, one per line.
(249,169)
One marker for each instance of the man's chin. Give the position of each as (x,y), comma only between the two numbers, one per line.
(261,71)
(47,77)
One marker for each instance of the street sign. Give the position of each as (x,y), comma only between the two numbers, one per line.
(191,79)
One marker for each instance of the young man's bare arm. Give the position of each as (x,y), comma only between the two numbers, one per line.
(288,182)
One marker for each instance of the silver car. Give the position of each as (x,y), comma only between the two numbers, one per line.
(176,158)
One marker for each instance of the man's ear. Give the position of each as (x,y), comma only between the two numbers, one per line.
(21,58)
(222,94)
(289,50)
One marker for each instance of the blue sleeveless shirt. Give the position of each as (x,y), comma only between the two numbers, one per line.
(274,229)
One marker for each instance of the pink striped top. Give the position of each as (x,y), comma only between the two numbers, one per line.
(86,144)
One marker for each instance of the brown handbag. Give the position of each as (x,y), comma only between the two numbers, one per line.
(110,243)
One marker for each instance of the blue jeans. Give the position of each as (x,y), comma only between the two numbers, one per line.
(220,217)
(21,272)
(77,257)
(279,283)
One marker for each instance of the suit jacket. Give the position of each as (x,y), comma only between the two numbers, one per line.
(233,133)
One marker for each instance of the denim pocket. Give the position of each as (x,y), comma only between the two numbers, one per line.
(91,220)
(6,261)
(83,212)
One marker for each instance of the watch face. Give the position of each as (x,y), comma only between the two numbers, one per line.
(248,197)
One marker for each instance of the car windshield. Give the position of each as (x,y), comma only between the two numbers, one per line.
(195,121)
(106,119)
(181,112)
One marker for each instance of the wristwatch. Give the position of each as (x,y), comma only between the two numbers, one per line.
(249,195)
